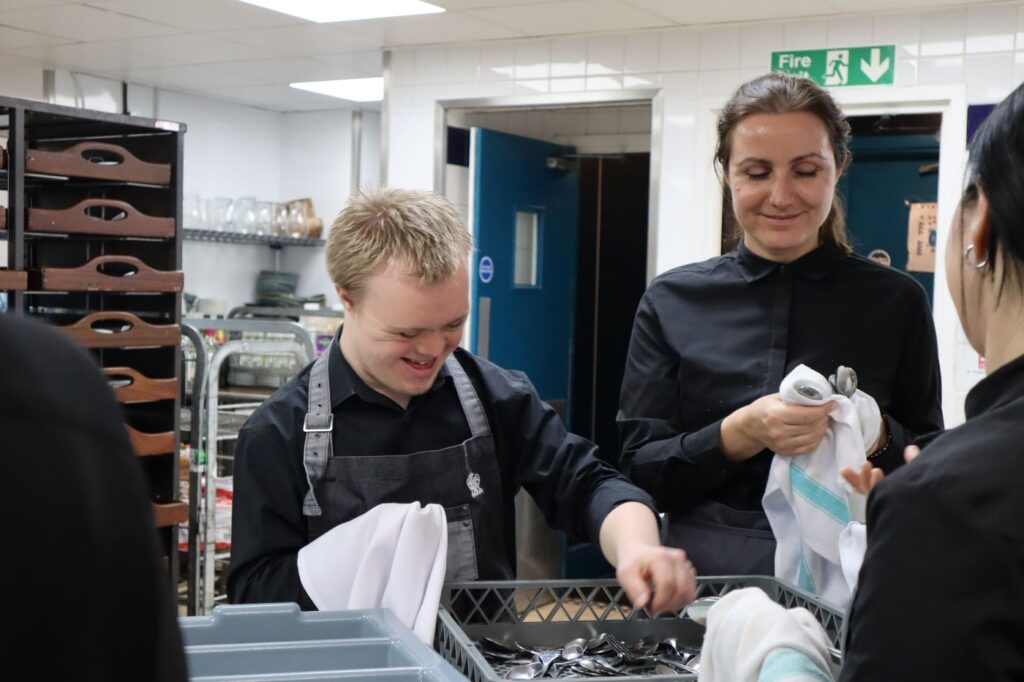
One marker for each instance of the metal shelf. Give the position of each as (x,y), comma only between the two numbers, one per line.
(272,241)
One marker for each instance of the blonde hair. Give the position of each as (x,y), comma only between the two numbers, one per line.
(418,230)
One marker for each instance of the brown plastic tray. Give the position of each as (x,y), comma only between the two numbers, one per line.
(133,276)
(129,221)
(13,280)
(141,388)
(147,444)
(97,160)
(133,332)
(169,513)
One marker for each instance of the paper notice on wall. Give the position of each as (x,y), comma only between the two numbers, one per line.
(921,237)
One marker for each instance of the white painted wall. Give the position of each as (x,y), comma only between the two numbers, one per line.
(316,152)
(87,92)
(976,54)
(237,151)
(26,83)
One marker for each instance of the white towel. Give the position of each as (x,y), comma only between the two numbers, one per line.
(750,638)
(392,557)
(809,505)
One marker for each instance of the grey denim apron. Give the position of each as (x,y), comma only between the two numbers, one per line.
(463,478)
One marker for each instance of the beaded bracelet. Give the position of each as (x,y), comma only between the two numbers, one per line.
(884,446)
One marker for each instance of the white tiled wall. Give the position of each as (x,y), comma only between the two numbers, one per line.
(597,130)
(976,46)
(977,50)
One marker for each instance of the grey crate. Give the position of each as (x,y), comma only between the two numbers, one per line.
(550,613)
(280,642)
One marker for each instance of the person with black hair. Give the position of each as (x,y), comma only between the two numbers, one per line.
(85,592)
(941,591)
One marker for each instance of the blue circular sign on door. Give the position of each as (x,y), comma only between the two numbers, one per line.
(486,269)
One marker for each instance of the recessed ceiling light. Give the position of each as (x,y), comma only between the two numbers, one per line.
(325,11)
(354,89)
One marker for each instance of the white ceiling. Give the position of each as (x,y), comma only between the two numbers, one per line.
(233,51)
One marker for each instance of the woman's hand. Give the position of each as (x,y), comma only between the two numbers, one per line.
(770,422)
(867,477)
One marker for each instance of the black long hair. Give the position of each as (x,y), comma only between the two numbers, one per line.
(996,164)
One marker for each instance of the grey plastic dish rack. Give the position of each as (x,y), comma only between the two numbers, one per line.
(550,613)
(280,642)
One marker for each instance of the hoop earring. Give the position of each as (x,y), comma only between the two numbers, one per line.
(978,265)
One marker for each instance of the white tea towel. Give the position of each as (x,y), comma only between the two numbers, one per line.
(807,502)
(750,638)
(392,557)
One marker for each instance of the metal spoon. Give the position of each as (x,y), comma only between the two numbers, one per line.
(525,671)
(808,391)
(574,649)
(697,610)
(844,381)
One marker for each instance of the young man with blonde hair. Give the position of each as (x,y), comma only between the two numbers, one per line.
(399,413)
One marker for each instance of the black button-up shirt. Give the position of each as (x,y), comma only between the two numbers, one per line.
(945,561)
(714,336)
(574,488)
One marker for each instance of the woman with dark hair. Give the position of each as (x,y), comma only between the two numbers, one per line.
(945,561)
(700,414)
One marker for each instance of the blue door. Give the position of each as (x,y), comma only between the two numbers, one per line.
(888,174)
(524,216)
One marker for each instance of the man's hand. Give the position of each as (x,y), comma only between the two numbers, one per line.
(658,578)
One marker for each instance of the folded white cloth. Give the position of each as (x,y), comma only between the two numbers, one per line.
(750,638)
(392,557)
(808,504)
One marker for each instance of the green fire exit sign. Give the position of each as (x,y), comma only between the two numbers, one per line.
(840,66)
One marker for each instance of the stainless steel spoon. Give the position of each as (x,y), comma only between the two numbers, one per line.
(697,610)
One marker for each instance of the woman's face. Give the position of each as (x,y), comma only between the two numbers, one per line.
(782,175)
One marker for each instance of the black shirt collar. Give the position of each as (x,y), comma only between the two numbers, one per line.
(998,388)
(345,382)
(815,265)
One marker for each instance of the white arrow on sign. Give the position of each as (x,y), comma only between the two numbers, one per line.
(876,69)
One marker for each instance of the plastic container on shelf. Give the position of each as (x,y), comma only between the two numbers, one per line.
(280,642)
(551,613)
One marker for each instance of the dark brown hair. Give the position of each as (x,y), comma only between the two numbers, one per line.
(779,93)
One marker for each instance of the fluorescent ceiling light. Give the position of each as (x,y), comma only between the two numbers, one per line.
(355,89)
(325,11)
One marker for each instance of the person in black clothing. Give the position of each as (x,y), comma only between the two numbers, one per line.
(699,415)
(86,596)
(940,591)
(393,411)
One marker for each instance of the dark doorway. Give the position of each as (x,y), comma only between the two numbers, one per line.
(612,267)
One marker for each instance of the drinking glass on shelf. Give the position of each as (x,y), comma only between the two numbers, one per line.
(297,220)
(245,215)
(194,212)
(281,220)
(265,218)
(219,213)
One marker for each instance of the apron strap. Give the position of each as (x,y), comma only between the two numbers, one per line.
(471,405)
(318,425)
